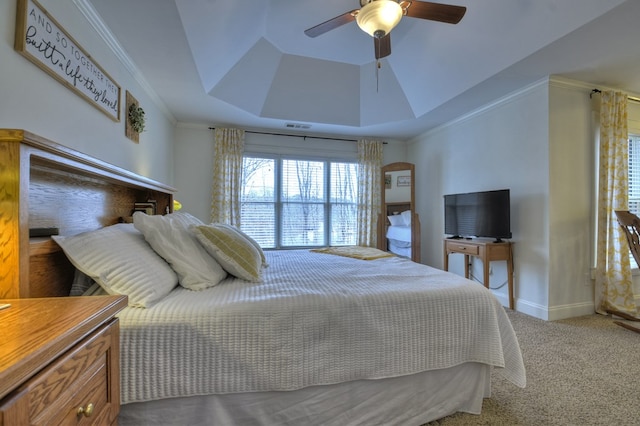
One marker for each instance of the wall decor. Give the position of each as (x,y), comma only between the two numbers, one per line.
(45,43)
(404,181)
(134,118)
(387,181)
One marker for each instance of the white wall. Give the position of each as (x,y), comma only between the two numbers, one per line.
(504,145)
(193,163)
(194,151)
(571,200)
(538,143)
(32,100)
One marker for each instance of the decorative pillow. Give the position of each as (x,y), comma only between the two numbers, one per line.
(248,238)
(235,253)
(406,216)
(170,237)
(396,220)
(81,283)
(120,260)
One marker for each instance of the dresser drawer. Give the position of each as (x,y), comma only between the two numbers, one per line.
(453,247)
(78,388)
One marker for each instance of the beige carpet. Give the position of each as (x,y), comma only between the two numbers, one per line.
(581,371)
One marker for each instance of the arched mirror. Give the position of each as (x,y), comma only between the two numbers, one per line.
(399,225)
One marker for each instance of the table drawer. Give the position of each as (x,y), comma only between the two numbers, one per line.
(77,379)
(463,248)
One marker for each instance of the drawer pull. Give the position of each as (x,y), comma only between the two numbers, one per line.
(85,411)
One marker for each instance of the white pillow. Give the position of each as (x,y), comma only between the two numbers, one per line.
(170,237)
(396,220)
(237,255)
(120,260)
(406,216)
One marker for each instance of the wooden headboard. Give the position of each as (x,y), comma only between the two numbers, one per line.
(46,185)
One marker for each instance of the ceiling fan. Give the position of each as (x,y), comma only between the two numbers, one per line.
(378,17)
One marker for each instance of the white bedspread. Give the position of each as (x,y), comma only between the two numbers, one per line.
(316,319)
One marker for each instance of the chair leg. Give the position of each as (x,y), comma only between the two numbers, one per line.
(625,316)
(622,315)
(627,326)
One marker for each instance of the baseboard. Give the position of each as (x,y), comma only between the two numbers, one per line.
(532,309)
(555,312)
(570,311)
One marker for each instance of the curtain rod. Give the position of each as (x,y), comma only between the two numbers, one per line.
(631,98)
(299,136)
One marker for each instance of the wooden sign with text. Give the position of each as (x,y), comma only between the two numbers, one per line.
(44,42)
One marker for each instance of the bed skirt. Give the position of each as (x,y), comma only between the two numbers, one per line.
(407,400)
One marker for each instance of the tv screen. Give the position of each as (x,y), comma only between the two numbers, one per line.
(478,214)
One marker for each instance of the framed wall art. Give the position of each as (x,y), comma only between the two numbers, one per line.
(42,40)
(134,121)
(387,181)
(404,181)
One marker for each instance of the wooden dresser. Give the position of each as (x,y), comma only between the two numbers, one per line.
(59,361)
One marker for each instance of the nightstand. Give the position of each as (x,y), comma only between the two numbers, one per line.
(59,360)
(486,250)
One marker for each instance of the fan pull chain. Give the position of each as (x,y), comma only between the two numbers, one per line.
(377,46)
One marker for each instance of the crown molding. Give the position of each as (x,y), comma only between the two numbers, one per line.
(96,22)
(559,81)
(511,97)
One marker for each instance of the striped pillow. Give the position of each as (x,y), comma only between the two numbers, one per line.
(249,239)
(122,262)
(237,255)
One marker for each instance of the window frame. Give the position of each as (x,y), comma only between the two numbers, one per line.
(279,159)
(635,271)
(633,138)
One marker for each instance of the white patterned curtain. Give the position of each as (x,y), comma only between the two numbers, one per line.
(227,176)
(369,176)
(614,289)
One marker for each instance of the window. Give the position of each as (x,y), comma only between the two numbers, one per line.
(634,174)
(291,202)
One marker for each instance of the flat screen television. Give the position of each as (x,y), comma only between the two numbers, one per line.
(478,214)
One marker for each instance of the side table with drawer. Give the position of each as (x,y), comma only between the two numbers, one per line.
(487,251)
(59,361)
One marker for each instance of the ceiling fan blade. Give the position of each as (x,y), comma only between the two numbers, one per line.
(331,24)
(382,46)
(435,11)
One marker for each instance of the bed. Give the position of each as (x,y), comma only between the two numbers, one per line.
(399,229)
(317,339)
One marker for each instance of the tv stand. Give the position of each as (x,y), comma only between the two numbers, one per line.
(486,250)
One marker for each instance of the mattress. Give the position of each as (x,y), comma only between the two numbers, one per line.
(401,248)
(317,319)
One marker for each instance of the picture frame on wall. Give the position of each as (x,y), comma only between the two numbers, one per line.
(46,43)
(404,181)
(387,181)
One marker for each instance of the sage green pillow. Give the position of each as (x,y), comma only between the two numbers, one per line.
(249,239)
(238,256)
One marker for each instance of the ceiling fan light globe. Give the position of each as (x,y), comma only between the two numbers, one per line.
(379,17)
